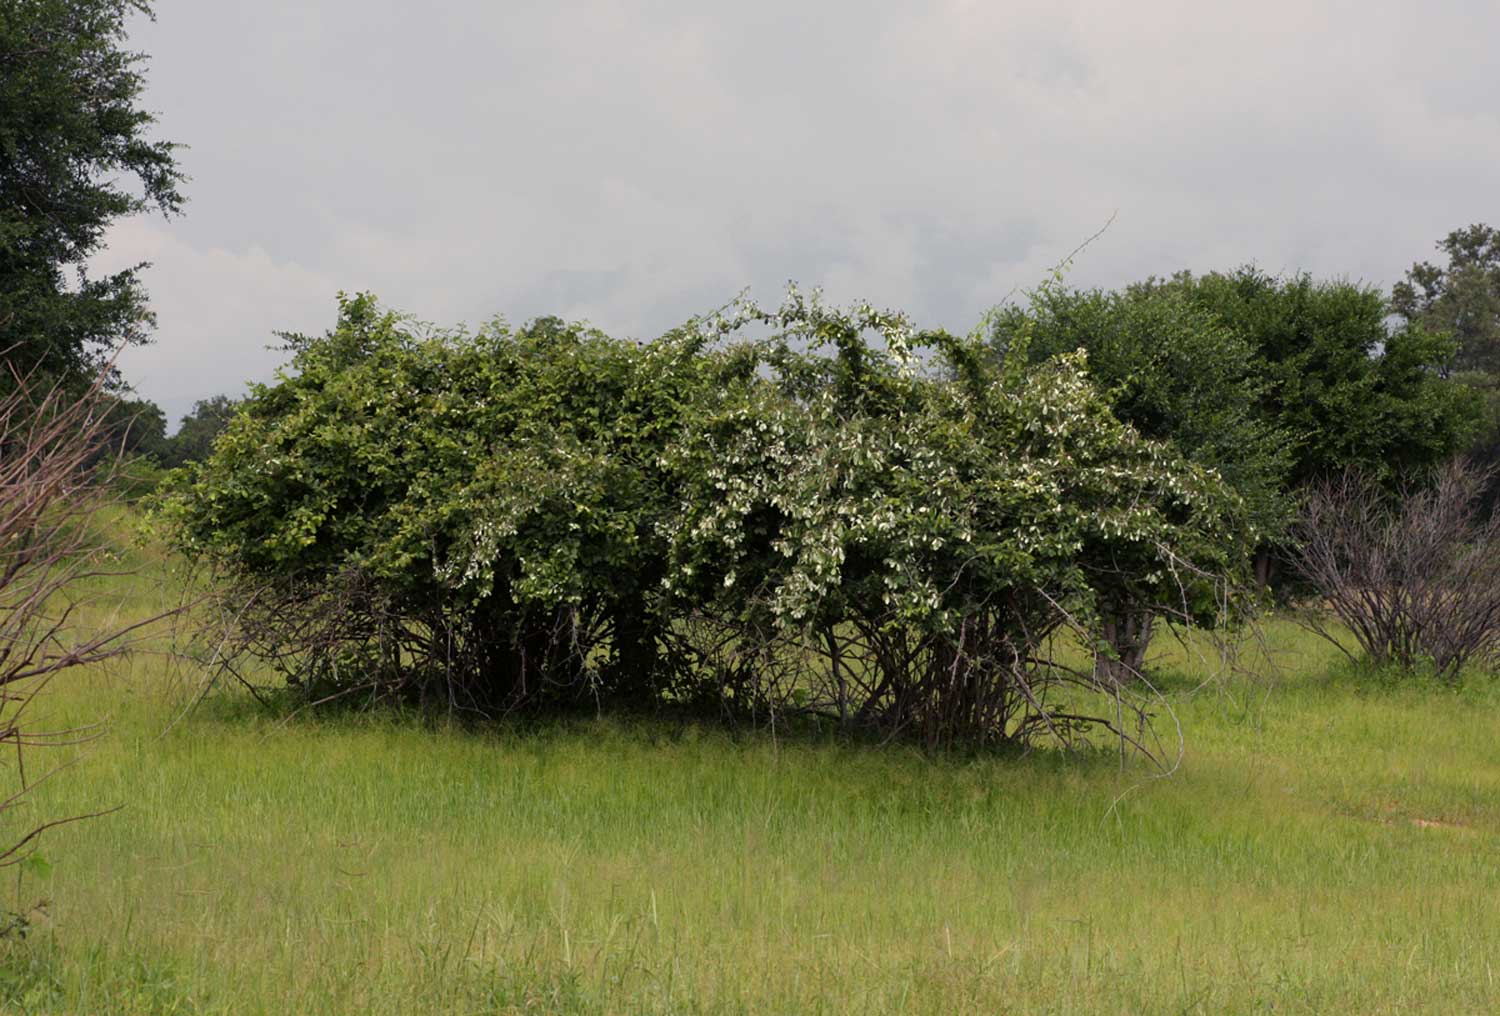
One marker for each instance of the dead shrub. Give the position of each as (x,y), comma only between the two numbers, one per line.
(1412,577)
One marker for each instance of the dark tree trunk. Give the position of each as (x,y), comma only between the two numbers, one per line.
(1265,567)
(632,680)
(1128,635)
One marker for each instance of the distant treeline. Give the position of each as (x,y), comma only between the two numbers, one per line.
(138,428)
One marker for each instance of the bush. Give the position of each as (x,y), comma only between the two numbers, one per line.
(467,517)
(916,529)
(1413,577)
(843,517)
(1177,374)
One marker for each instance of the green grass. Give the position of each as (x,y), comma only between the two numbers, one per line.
(1329,844)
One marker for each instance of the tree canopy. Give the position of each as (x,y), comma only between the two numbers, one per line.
(1461,297)
(1347,390)
(74,139)
(197,431)
(1172,370)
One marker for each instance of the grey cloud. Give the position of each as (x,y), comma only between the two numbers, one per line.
(637,162)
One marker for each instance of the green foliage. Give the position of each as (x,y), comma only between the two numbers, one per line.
(197,430)
(72,137)
(926,493)
(1179,376)
(135,479)
(1171,370)
(1484,448)
(1349,392)
(497,493)
(536,515)
(134,428)
(1461,298)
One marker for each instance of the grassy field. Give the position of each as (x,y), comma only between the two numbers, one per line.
(1327,845)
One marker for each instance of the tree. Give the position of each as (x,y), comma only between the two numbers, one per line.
(132,427)
(1484,449)
(1461,298)
(72,138)
(1347,390)
(196,433)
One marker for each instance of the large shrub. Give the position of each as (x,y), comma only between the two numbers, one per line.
(914,529)
(1178,375)
(803,509)
(471,515)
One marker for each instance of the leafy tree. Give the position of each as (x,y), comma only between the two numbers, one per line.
(1461,298)
(72,137)
(1484,450)
(133,427)
(1347,391)
(197,431)
(1350,392)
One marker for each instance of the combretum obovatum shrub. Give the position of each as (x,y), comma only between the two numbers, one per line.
(1176,374)
(838,516)
(469,516)
(898,536)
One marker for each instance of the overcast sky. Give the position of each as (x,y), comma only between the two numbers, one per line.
(633,163)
